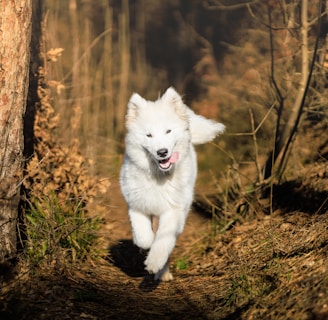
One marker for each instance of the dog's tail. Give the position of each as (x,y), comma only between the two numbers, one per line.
(202,129)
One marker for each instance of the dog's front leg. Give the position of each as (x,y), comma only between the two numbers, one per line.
(143,234)
(165,239)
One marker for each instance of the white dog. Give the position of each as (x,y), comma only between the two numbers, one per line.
(159,172)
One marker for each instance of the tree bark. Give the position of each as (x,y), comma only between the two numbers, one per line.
(15,35)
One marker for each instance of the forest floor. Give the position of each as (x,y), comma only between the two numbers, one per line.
(270,266)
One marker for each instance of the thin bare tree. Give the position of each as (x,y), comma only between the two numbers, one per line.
(285,134)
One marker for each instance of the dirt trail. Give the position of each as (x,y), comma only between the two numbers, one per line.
(132,294)
(119,287)
(254,271)
(267,267)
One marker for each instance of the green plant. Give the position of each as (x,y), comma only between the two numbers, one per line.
(59,230)
(182,264)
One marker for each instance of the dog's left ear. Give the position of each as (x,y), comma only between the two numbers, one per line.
(171,97)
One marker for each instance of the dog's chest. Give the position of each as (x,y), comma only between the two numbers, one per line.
(156,197)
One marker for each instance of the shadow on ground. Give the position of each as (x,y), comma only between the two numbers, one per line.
(130,259)
(294,196)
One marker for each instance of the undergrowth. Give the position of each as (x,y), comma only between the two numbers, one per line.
(57,231)
(58,189)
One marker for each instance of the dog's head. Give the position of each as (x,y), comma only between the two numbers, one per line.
(159,128)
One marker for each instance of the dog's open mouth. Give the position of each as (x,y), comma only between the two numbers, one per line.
(165,164)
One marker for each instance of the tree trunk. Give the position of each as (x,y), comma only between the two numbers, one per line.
(15,34)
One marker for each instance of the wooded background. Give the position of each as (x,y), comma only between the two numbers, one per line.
(231,60)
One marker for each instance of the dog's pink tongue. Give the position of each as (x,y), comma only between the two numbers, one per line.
(174,157)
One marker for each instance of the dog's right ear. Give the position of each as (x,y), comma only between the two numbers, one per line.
(136,102)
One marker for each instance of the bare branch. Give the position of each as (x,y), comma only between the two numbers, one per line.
(218,5)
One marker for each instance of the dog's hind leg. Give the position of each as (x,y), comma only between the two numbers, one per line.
(164,274)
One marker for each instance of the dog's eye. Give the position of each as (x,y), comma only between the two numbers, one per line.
(149,135)
(168,131)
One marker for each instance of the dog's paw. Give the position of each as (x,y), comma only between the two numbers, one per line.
(161,269)
(164,276)
(154,262)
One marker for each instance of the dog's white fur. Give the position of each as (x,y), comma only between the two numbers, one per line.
(152,189)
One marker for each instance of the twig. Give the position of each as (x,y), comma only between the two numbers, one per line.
(86,52)
(257,162)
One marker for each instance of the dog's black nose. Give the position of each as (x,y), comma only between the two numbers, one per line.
(162,152)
